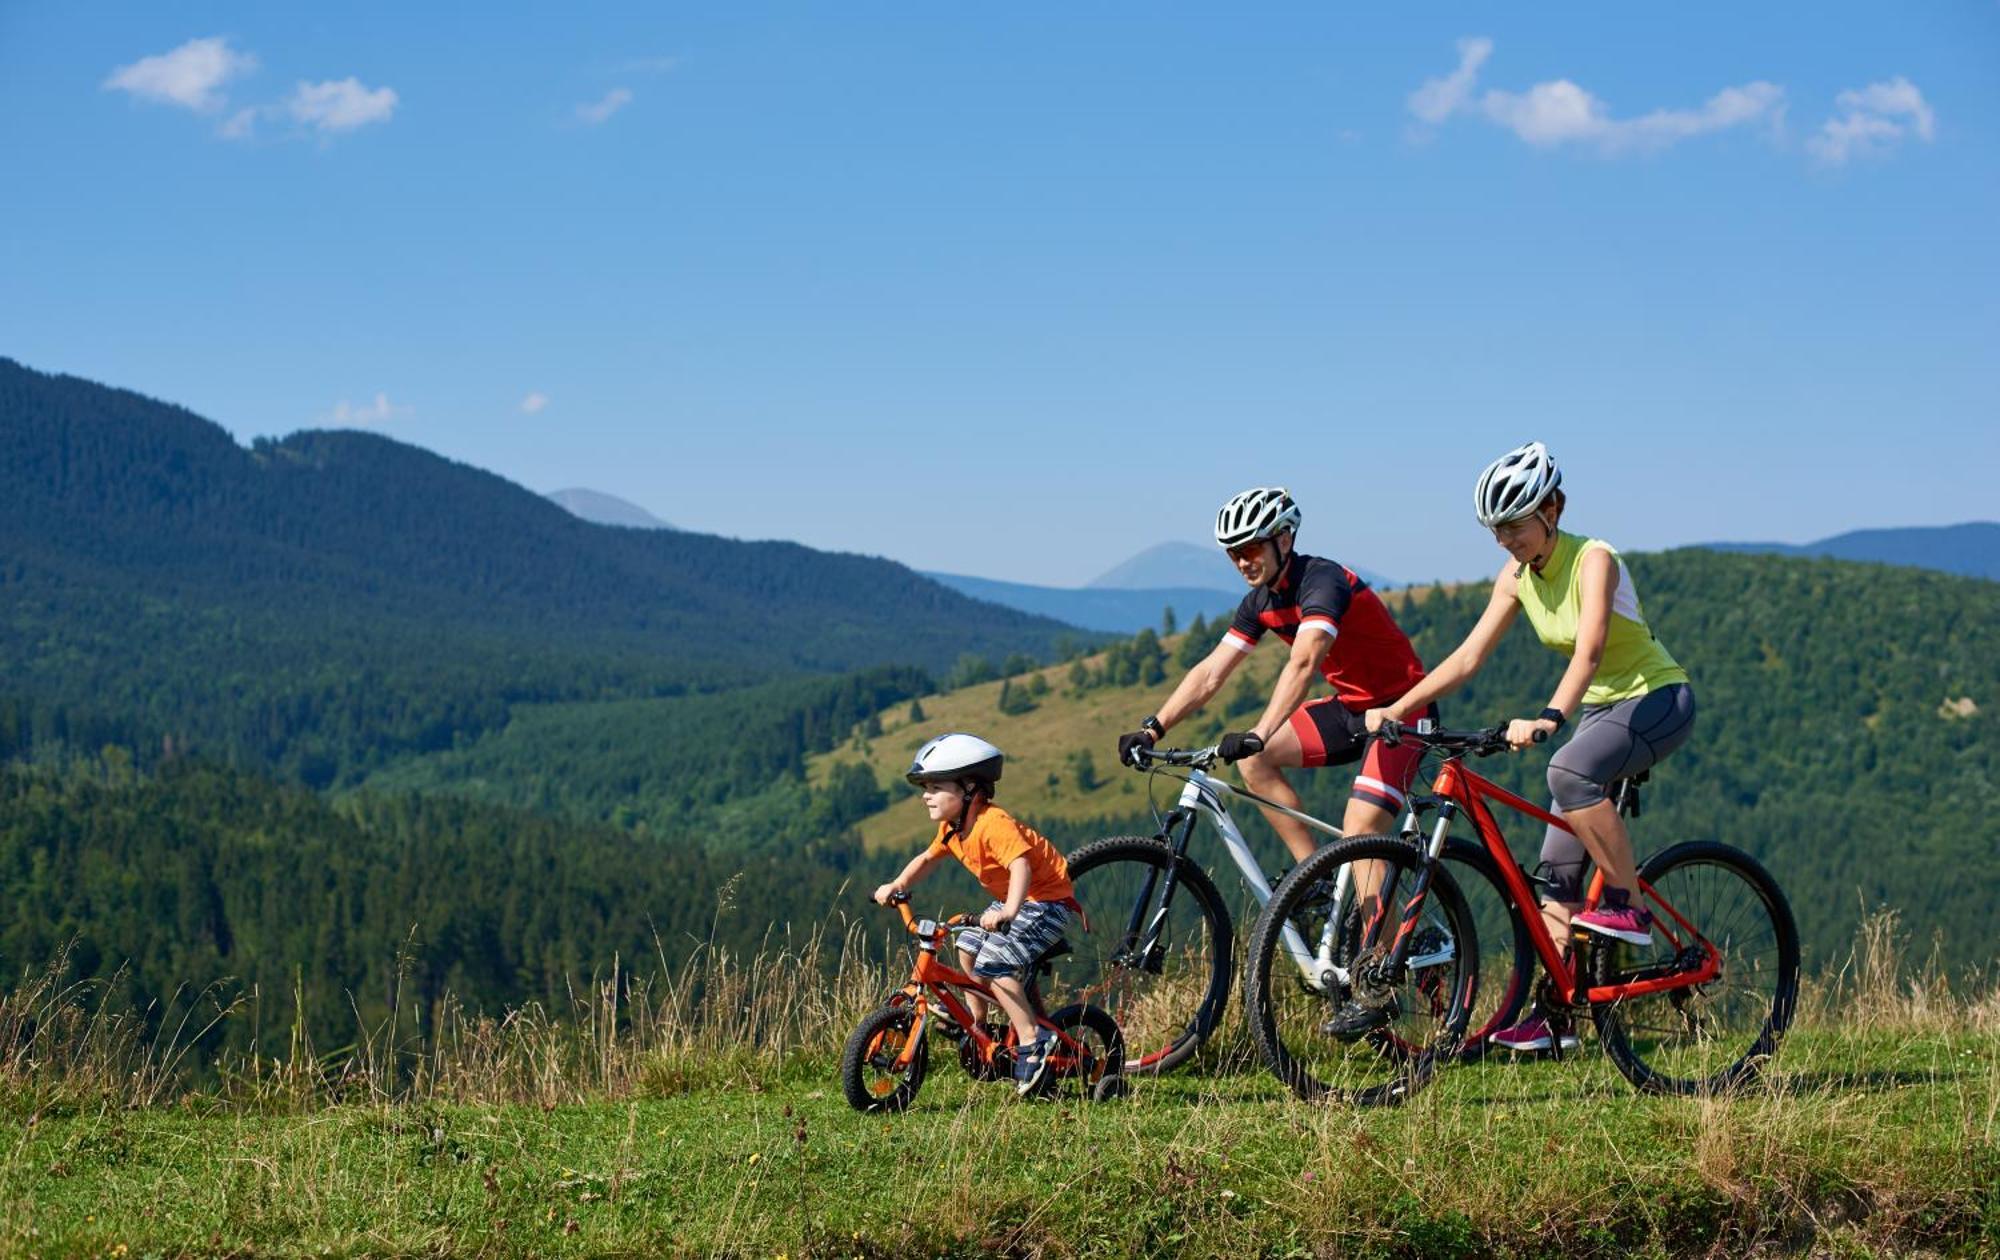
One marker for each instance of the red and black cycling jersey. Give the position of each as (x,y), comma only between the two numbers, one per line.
(1371,662)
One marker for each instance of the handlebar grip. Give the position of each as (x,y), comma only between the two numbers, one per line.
(1541,736)
(899,898)
(1390,732)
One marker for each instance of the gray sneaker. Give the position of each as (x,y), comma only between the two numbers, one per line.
(1031,1065)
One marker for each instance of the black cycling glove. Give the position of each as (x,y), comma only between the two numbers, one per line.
(1130,743)
(1240,744)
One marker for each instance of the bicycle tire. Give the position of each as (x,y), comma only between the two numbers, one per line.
(1502,995)
(1716,1037)
(1432,1003)
(1104,1047)
(1168,1008)
(867,1063)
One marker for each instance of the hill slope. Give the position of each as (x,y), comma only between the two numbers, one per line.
(327,600)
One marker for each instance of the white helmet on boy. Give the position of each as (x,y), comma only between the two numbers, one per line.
(955,757)
(1264,512)
(1515,484)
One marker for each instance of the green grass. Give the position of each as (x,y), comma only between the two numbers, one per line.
(1863,1145)
(706,1119)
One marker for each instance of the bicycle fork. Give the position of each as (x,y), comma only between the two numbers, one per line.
(1399,957)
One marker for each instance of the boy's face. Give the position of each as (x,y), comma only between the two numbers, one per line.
(941,801)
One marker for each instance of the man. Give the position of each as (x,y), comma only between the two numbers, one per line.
(1336,627)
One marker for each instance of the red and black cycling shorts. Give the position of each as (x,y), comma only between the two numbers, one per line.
(1331,734)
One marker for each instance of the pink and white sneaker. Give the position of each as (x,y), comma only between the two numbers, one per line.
(1629,923)
(1532,1033)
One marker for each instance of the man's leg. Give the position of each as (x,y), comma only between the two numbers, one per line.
(1264,775)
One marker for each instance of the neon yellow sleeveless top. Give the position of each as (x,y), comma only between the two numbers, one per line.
(1634,661)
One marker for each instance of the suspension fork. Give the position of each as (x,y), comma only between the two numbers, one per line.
(1143,934)
(1399,950)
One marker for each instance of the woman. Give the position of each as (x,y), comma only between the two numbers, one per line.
(1632,701)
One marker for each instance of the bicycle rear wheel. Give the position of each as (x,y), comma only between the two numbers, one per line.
(1427,1002)
(1158,955)
(1714,1036)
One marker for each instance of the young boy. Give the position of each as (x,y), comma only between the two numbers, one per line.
(1012,862)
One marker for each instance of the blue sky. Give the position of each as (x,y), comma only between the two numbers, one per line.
(1019,291)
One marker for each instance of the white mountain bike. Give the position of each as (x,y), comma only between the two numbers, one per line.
(1160,952)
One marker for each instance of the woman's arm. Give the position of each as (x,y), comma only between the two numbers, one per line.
(1456,670)
(1596,579)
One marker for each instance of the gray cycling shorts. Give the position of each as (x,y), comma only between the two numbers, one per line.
(1009,951)
(1612,742)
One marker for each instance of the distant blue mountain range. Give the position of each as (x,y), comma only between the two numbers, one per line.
(1094,608)
(1970,550)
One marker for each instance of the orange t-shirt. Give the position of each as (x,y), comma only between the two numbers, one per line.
(995,840)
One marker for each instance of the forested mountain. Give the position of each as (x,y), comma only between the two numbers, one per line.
(323,603)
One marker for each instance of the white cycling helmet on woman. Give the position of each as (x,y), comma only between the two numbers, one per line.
(955,758)
(1515,485)
(1264,512)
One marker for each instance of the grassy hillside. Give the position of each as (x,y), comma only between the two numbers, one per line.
(1843,734)
(705,1118)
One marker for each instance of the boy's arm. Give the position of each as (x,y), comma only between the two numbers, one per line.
(918,867)
(1019,876)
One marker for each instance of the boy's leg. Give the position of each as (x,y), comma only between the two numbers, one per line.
(1013,998)
(966,961)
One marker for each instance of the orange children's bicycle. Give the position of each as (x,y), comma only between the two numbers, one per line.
(1699,1010)
(887,1056)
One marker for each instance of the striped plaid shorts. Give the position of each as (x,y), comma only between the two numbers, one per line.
(1009,951)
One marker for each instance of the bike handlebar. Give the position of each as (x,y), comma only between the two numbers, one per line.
(1480,743)
(1195,758)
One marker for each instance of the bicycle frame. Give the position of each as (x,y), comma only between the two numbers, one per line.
(1202,796)
(932,981)
(1458,788)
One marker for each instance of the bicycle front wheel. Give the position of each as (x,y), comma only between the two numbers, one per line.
(1713,1036)
(1158,955)
(1423,1005)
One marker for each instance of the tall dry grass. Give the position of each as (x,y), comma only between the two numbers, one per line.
(723,1019)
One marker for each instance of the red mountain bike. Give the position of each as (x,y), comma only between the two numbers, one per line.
(1697,1011)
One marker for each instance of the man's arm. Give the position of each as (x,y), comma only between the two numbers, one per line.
(1294,680)
(1200,684)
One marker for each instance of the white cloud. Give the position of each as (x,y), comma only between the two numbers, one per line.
(1439,99)
(340,104)
(597,112)
(190,76)
(1873,118)
(367,415)
(534,402)
(1559,111)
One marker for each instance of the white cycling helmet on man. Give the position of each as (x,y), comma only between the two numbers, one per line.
(1264,512)
(1515,485)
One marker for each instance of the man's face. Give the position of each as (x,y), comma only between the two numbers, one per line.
(1257,561)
